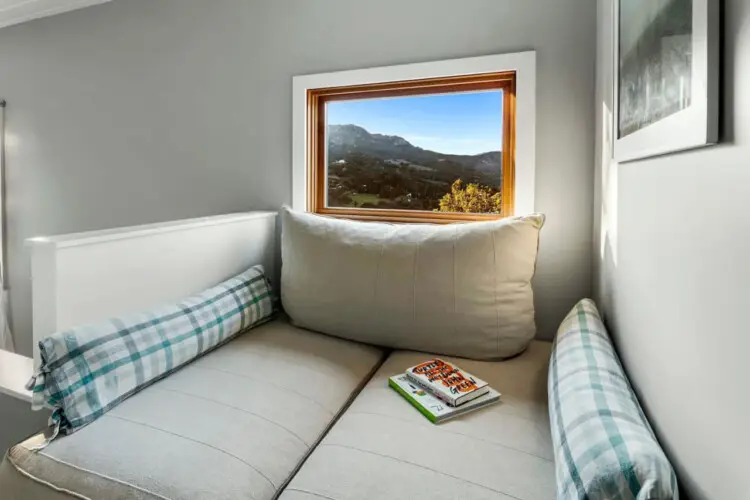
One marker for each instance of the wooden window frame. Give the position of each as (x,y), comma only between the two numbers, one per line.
(523,64)
(317,166)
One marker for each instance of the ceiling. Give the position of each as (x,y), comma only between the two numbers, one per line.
(19,11)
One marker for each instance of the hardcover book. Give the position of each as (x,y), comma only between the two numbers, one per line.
(435,410)
(448,382)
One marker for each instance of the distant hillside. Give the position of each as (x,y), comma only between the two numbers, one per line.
(386,171)
(345,140)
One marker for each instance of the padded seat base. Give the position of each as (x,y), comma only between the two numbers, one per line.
(383,448)
(233,424)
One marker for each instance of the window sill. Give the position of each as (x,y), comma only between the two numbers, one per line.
(405,216)
(15,372)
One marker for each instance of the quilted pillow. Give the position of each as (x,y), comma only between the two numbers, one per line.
(459,290)
(90,369)
(604,446)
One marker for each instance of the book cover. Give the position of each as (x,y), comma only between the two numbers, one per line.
(447,381)
(434,409)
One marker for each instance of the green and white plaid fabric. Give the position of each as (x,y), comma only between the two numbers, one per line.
(604,446)
(88,370)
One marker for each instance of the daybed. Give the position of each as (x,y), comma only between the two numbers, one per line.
(280,411)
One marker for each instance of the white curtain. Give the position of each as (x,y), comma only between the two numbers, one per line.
(6,338)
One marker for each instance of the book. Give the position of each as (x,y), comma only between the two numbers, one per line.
(448,382)
(434,409)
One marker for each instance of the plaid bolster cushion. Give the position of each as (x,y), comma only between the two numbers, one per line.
(90,369)
(604,446)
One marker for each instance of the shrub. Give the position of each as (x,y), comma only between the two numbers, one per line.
(471,198)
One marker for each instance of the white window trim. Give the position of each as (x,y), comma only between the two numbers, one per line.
(523,63)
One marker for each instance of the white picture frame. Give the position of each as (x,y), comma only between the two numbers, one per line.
(697,124)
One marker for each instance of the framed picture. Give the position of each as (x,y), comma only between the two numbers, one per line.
(666,76)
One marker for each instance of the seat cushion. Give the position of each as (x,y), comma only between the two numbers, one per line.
(234,424)
(383,448)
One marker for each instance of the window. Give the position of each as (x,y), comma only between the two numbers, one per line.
(420,149)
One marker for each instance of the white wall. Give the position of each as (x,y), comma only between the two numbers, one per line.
(19,422)
(146,110)
(672,276)
(19,11)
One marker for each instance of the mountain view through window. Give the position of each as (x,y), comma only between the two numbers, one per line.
(439,152)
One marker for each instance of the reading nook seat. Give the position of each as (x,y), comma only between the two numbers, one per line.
(239,422)
(259,417)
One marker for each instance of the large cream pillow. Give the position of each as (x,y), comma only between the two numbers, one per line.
(459,290)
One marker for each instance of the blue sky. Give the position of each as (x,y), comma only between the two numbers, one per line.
(469,123)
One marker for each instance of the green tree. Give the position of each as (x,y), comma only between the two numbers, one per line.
(471,198)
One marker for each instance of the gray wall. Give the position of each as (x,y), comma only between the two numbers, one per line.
(18,422)
(146,110)
(673,278)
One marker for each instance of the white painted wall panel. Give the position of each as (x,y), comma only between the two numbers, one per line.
(88,277)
